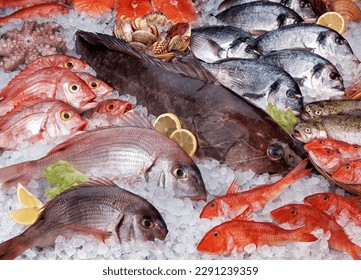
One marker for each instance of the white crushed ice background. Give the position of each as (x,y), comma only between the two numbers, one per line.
(182,216)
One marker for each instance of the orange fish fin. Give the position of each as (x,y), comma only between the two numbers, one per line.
(245,215)
(304,234)
(13,247)
(100,234)
(297,173)
(233,187)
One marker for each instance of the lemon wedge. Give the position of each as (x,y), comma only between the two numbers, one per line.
(26,198)
(186,140)
(167,123)
(334,21)
(25,216)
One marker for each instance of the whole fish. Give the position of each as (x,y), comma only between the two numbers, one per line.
(52,82)
(312,218)
(228,128)
(258,81)
(100,88)
(38,119)
(301,7)
(236,234)
(328,160)
(212,43)
(41,10)
(24,3)
(339,127)
(335,205)
(310,37)
(331,107)
(346,149)
(121,152)
(107,211)
(243,204)
(109,107)
(308,69)
(258,17)
(349,173)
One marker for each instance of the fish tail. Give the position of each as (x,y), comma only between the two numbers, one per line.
(17,173)
(304,234)
(355,252)
(13,247)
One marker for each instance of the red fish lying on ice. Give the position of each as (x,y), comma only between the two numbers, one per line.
(312,218)
(350,173)
(351,151)
(100,88)
(38,119)
(109,107)
(328,160)
(27,3)
(235,203)
(235,235)
(334,204)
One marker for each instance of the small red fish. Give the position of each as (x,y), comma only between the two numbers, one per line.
(114,107)
(236,234)
(350,173)
(47,83)
(312,218)
(348,150)
(100,88)
(94,8)
(233,204)
(27,3)
(38,119)
(42,10)
(334,204)
(328,160)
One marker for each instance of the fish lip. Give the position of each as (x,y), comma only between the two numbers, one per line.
(305,116)
(296,134)
(198,197)
(310,20)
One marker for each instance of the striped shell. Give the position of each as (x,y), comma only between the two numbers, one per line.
(348,9)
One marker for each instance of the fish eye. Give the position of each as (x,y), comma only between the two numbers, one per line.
(74,88)
(212,205)
(347,167)
(110,107)
(334,76)
(321,142)
(275,152)
(340,41)
(249,49)
(93,85)
(307,130)
(179,172)
(290,94)
(65,116)
(356,146)
(215,233)
(69,64)
(318,112)
(293,212)
(147,223)
(325,198)
(328,151)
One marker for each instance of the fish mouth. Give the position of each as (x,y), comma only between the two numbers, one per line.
(310,20)
(198,197)
(90,104)
(296,135)
(305,116)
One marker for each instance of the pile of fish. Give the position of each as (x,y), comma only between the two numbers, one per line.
(247,54)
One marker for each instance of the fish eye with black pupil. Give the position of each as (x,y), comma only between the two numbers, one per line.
(147,223)
(325,198)
(248,49)
(317,112)
(339,41)
(307,130)
(179,172)
(328,151)
(94,84)
(290,94)
(215,234)
(74,88)
(275,152)
(293,212)
(347,167)
(65,116)
(212,205)
(69,65)
(334,76)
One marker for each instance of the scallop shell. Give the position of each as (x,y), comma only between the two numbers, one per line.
(138,46)
(159,20)
(348,9)
(124,31)
(145,37)
(159,47)
(179,43)
(140,24)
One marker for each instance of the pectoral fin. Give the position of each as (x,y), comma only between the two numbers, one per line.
(101,235)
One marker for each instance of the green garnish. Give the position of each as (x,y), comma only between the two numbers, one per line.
(286,119)
(62,176)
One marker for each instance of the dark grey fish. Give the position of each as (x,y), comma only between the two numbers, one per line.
(258,17)
(310,37)
(213,43)
(308,69)
(98,208)
(228,128)
(260,82)
(332,107)
(301,7)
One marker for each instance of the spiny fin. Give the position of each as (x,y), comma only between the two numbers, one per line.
(245,214)
(100,234)
(233,187)
(188,65)
(132,118)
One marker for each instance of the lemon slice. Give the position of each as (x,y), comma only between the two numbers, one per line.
(186,140)
(26,198)
(334,21)
(167,123)
(25,216)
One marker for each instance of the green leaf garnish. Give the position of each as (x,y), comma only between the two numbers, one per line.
(286,119)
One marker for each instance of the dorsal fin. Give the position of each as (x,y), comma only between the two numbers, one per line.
(233,187)
(188,65)
(132,118)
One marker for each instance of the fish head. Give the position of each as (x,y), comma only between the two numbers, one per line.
(285,95)
(332,44)
(184,177)
(291,214)
(115,107)
(215,241)
(306,131)
(76,93)
(214,208)
(143,222)
(242,48)
(321,201)
(320,143)
(304,9)
(288,18)
(72,63)
(327,159)
(327,79)
(100,88)
(348,173)
(313,110)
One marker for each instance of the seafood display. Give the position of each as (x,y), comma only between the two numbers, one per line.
(123,122)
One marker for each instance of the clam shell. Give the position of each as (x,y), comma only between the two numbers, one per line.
(348,9)
(140,24)
(124,31)
(179,43)
(159,20)
(138,46)
(145,37)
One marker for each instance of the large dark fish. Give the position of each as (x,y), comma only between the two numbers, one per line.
(228,128)
(98,208)
(301,7)
(258,17)
(211,43)
(262,83)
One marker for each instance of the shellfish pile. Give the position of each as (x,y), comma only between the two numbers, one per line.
(347,8)
(155,35)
